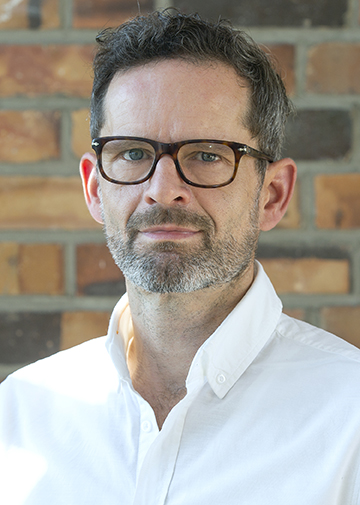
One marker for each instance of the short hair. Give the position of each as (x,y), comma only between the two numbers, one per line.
(172,35)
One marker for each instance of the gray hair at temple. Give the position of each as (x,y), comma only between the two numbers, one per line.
(172,35)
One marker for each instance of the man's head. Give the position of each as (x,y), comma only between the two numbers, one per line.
(168,35)
(165,233)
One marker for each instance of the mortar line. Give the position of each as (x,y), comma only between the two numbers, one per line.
(160,5)
(66,13)
(352,15)
(69,267)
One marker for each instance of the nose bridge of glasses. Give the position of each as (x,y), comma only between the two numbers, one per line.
(162,149)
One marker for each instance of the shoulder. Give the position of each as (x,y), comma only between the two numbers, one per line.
(318,357)
(73,371)
(315,341)
(318,370)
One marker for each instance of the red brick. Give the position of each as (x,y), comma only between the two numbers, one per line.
(95,14)
(41,269)
(18,15)
(9,279)
(43,202)
(31,269)
(296,313)
(308,275)
(283,55)
(77,327)
(334,67)
(343,322)
(46,70)
(28,136)
(338,201)
(96,271)
(81,139)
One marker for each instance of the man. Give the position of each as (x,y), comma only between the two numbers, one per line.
(205,393)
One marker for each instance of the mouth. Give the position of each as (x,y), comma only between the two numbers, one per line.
(168,225)
(169,232)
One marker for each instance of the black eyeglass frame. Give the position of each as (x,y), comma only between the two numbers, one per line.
(172,150)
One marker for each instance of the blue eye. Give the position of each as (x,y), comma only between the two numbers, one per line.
(134,154)
(208,156)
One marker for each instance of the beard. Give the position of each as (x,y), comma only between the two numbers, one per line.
(171,267)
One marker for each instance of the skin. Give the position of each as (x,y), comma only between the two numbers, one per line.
(171,101)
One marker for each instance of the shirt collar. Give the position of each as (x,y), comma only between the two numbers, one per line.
(234,345)
(120,333)
(228,352)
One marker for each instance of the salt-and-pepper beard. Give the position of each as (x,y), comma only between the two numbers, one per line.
(171,267)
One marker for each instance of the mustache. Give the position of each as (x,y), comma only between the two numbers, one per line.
(158,216)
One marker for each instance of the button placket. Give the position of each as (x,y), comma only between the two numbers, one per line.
(157,468)
(148,430)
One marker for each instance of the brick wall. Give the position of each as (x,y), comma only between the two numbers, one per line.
(58,282)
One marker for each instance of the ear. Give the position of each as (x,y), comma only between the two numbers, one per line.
(91,185)
(276,193)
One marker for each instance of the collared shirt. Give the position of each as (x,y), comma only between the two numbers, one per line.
(271,416)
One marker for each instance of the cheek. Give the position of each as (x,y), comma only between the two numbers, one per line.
(233,211)
(119,203)
(234,205)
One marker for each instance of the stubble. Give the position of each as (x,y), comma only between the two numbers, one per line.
(175,267)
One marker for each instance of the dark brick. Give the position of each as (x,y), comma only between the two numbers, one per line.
(26,337)
(95,14)
(34,14)
(111,288)
(265,13)
(319,134)
(97,274)
(300,251)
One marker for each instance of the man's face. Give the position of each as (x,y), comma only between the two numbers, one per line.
(165,235)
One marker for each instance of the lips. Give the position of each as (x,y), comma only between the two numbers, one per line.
(168,232)
(168,224)
(170,228)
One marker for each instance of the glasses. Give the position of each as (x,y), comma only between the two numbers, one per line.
(200,163)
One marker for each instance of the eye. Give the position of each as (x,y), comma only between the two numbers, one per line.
(208,156)
(134,154)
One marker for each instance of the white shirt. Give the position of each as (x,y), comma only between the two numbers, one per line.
(271,417)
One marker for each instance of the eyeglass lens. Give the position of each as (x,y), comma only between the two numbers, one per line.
(201,163)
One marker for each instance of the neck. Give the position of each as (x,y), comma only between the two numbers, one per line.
(168,330)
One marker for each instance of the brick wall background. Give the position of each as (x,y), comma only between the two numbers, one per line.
(58,283)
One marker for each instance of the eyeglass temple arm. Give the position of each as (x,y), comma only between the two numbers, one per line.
(250,151)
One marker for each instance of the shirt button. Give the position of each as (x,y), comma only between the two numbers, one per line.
(221,378)
(146,426)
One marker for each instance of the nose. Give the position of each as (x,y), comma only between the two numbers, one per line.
(165,186)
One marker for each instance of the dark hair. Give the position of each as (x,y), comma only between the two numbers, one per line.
(171,35)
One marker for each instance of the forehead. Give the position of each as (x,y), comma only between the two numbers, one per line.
(175,98)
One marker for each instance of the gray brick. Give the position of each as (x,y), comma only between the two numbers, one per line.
(274,13)
(111,288)
(297,251)
(318,135)
(26,337)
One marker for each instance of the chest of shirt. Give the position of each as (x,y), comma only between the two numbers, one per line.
(258,444)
